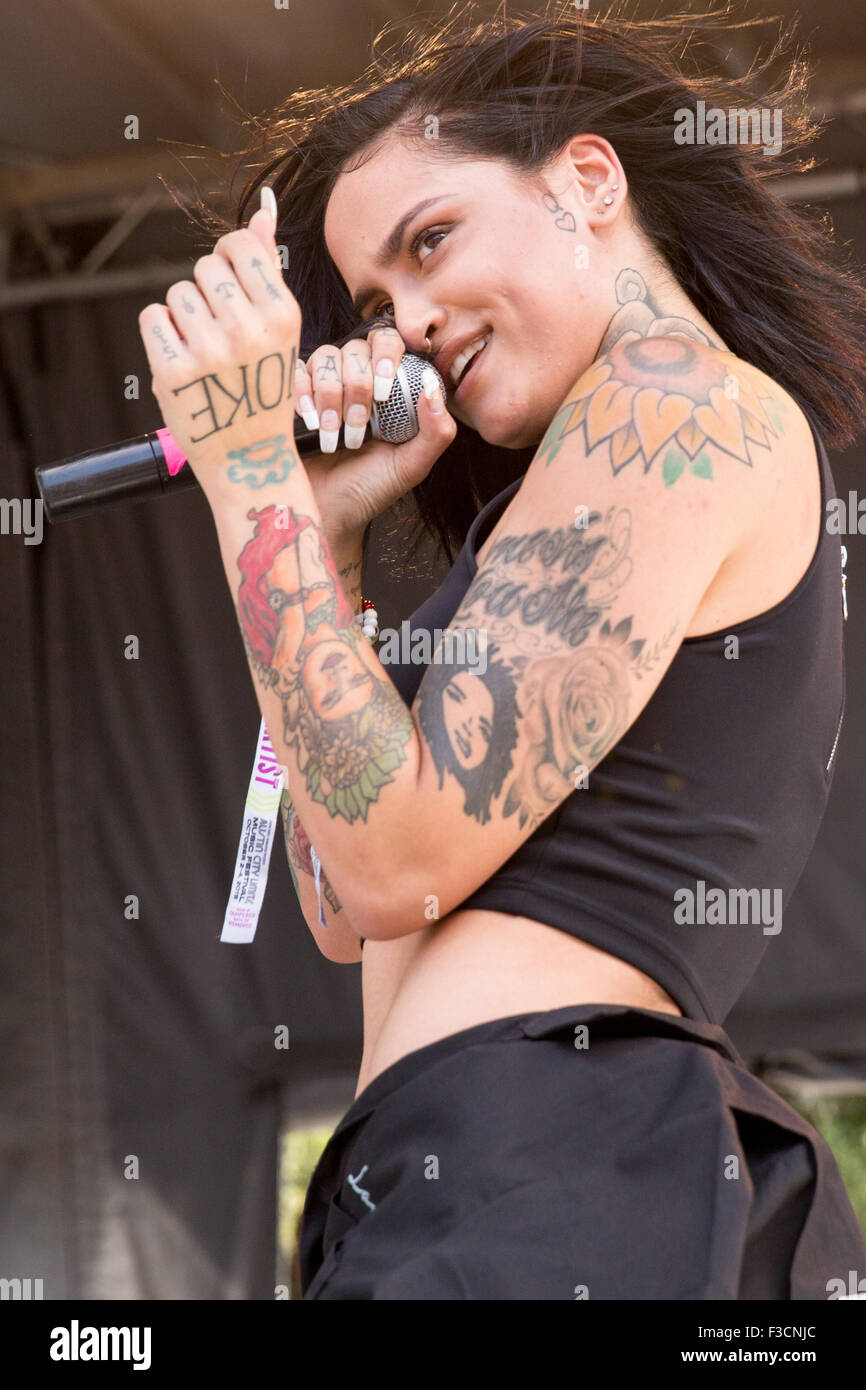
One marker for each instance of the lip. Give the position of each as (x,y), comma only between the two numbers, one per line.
(470,375)
(447,355)
(331,660)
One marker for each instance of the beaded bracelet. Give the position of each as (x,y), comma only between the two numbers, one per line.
(369,620)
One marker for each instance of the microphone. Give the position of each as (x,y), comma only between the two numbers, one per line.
(151,464)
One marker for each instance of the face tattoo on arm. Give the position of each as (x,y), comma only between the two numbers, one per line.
(349,729)
(535,592)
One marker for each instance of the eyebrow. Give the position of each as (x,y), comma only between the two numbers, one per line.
(390,248)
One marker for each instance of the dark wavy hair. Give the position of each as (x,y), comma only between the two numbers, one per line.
(517,88)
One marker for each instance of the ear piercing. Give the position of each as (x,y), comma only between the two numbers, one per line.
(607,199)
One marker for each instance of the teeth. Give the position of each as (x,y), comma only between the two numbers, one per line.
(463,358)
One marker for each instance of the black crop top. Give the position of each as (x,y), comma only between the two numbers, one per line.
(722,779)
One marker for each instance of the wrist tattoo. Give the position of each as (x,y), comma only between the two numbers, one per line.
(268,461)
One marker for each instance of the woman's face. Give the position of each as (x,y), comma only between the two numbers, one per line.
(467,709)
(492,256)
(336,682)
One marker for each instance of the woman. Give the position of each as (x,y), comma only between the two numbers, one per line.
(561,865)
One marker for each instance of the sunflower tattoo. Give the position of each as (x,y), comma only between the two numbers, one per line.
(652,395)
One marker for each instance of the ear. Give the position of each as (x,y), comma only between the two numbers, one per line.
(591,164)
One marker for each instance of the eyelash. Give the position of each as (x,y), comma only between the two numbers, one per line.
(413,250)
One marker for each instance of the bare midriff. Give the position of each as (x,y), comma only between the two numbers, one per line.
(476,965)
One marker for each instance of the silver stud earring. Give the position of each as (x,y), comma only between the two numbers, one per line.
(614,187)
(608,200)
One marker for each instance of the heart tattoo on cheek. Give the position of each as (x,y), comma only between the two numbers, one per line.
(564,220)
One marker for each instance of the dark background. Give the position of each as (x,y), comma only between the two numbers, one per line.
(150,1038)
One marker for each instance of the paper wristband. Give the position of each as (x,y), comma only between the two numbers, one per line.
(261,810)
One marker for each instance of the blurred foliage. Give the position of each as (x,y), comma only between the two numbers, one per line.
(300,1152)
(843,1125)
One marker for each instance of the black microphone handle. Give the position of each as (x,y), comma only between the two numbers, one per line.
(137,469)
(132,471)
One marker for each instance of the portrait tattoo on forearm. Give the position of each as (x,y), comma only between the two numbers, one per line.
(534,594)
(656,400)
(348,725)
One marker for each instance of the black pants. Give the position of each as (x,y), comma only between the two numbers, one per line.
(594,1151)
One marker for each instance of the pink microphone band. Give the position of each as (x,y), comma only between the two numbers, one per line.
(174,459)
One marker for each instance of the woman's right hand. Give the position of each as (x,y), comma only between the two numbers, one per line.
(353,485)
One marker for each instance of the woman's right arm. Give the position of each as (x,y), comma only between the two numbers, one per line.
(337,940)
(352,487)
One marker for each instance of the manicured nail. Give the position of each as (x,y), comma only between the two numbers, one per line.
(329,433)
(383,383)
(355,427)
(432,391)
(309,413)
(269,202)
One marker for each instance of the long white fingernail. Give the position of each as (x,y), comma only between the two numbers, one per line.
(383,382)
(269,202)
(328,437)
(354,435)
(356,426)
(432,390)
(309,413)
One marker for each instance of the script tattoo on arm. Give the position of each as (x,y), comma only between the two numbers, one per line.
(557,669)
(656,399)
(348,726)
(351,576)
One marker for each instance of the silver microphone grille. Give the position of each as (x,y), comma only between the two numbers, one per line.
(396,419)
